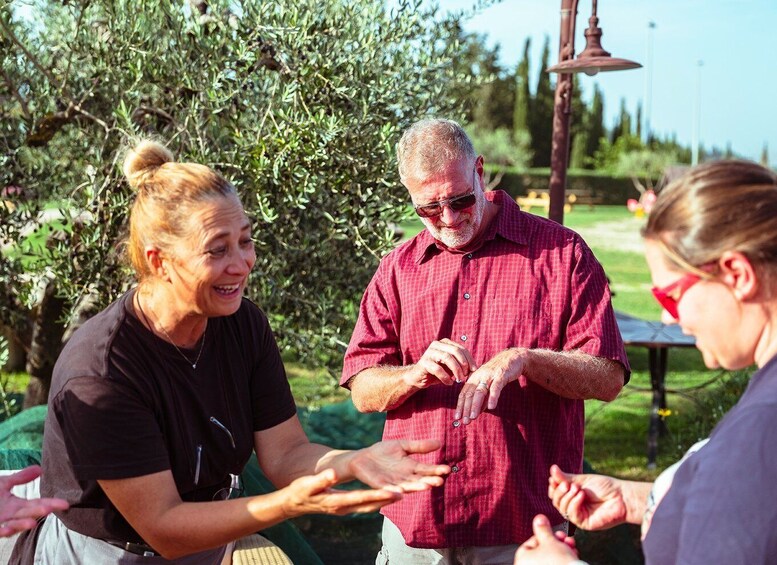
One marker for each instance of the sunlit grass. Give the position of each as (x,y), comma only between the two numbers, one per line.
(313,388)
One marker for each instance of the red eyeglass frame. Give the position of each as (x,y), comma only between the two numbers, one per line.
(669,296)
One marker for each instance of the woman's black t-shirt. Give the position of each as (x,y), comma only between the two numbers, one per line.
(125,403)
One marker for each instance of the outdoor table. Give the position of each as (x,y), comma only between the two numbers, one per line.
(657,337)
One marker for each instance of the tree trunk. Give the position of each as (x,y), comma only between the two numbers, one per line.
(45,347)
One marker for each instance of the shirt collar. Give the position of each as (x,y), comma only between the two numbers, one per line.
(508,223)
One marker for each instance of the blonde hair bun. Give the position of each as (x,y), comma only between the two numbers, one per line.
(145,157)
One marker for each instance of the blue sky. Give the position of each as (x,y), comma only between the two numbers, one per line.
(736,41)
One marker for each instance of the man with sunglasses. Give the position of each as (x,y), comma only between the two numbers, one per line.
(487,330)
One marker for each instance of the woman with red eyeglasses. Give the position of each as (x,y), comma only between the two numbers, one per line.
(711,246)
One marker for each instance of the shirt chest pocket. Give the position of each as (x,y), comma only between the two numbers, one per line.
(522,313)
(533,332)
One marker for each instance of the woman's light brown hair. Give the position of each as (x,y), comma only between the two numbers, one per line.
(716,207)
(167,193)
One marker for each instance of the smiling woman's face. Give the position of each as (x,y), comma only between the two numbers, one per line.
(209,268)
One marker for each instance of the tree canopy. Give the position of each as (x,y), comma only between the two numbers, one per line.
(299,104)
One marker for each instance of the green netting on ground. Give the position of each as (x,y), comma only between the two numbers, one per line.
(342,426)
(24,430)
(13,459)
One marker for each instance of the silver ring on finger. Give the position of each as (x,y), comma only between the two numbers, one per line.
(483,385)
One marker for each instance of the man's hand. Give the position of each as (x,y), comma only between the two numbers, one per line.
(444,361)
(487,383)
(387,465)
(591,502)
(546,547)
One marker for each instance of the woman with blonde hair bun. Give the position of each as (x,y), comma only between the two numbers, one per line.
(157,402)
(711,246)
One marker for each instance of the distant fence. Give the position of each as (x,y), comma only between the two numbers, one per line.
(589,186)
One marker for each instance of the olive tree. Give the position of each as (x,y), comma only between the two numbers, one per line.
(299,104)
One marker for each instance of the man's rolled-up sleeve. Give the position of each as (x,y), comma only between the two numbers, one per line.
(375,339)
(591,326)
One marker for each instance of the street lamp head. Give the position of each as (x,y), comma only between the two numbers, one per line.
(594,58)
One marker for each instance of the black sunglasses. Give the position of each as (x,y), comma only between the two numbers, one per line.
(457,204)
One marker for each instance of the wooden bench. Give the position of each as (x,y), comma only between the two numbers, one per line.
(533,200)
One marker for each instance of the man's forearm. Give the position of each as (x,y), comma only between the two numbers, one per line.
(379,389)
(574,375)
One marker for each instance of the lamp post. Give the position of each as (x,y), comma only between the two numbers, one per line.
(649,80)
(695,134)
(592,60)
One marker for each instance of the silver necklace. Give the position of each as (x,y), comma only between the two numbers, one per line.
(170,339)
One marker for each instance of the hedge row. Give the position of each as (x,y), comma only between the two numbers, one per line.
(590,186)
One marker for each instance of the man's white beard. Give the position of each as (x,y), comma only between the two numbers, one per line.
(458,238)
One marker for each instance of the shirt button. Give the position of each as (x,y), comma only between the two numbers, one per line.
(455,468)
(463,338)
(456,423)
(466,295)
(469,255)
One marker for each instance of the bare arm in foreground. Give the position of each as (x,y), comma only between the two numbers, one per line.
(306,473)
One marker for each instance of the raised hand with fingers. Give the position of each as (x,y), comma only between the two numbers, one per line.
(546,547)
(444,361)
(591,502)
(314,494)
(389,465)
(19,514)
(484,386)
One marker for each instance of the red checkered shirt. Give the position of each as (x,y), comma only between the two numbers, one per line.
(531,283)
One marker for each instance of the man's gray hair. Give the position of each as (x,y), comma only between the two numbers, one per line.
(428,145)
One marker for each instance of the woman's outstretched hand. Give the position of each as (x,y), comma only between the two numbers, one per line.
(389,465)
(314,494)
(591,502)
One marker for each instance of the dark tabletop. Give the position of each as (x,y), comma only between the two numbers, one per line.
(651,333)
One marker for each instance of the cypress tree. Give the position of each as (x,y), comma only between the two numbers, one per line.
(522,107)
(577,126)
(595,125)
(541,117)
(638,133)
(623,125)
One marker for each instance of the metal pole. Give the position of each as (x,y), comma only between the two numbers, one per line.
(648,80)
(696,117)
(559,153)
